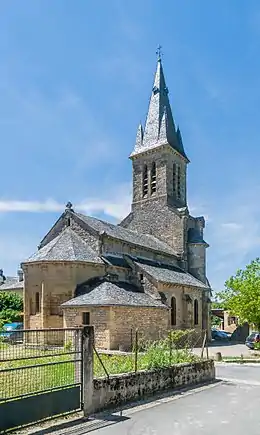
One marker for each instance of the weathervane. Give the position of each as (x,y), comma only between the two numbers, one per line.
(159,52)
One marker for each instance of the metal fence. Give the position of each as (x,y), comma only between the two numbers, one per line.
(175,347)
(40,374)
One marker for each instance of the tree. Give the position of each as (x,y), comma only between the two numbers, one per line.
(241,296)
(11,306)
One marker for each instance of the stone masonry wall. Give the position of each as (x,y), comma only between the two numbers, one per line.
(184,311)
(119,389)
(55,283)
(164,158)
(152,324)
(113,325)
(156,218)
(99,318)
(114,246)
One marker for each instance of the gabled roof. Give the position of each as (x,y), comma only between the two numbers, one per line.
(107,293)
(12,283)
(159,127)
(67,246)
(170,274)
(126,235)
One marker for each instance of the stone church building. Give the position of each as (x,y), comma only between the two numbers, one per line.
(147,272)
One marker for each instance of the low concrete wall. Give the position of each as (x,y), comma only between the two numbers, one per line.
(133,386)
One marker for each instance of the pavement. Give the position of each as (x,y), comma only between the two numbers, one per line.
(230,405)
(227,350)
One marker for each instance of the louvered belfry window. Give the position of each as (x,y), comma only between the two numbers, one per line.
(153,178)
(145,181)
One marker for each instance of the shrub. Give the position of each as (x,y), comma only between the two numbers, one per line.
(183,339)
(8,316)
(257,345)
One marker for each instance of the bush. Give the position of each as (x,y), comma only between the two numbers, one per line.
(9,316)
(11,306)
(10,301)
(183,339)
(257,345)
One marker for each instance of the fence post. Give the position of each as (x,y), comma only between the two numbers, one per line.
(170,344)
(207,346)
(88,365)
(136,349)
(203,345)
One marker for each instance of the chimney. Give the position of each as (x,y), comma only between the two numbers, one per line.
(2,277)
(20,275)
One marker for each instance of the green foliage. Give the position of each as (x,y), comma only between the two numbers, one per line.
(257,345)
(215,321)
(175,349)
(10,301)
(242,294)
(68,346)
(9,316)
(11,306)
(157,355)
(217,304)
(182,339)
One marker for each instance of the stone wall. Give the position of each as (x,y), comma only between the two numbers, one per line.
(99,318)
(55,283)
(123,388)
(184,310)
(152,324)
(115,245)
(157,218)
(113,325)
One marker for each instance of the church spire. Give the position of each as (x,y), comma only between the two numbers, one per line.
(159,127)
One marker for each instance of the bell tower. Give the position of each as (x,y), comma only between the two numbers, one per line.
(159,160)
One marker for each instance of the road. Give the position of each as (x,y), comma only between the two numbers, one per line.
(228,350)
(228,406)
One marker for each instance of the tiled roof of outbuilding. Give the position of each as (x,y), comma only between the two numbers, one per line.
(12,283)
(107,293)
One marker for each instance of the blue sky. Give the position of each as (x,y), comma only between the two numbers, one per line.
(75,79)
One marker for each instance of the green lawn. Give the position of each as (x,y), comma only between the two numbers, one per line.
(62,370)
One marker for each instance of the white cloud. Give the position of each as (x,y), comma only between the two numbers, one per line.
(115,203)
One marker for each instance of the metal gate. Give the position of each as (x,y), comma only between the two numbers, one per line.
(40,375)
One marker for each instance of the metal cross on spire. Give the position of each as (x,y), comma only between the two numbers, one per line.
(159,52)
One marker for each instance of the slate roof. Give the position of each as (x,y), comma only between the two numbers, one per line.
(129,236)
(171,275)
(12,283)
(107,293)
(159,127)
(67,246)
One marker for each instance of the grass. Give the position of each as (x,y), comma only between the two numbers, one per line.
(40,377)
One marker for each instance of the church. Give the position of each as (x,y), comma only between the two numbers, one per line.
(148,272)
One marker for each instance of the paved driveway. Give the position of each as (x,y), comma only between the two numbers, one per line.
(230,406)
(228,350)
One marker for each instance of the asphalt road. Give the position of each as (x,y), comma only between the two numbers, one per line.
(229,406)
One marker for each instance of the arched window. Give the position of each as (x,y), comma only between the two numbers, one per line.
(145,181)
(37,302)
(173,311)
(174,178)
(179,182)
(196,312)
(153,178)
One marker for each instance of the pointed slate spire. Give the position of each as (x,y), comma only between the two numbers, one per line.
(163,128)
(180,143)
(159,126)
(139,138)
